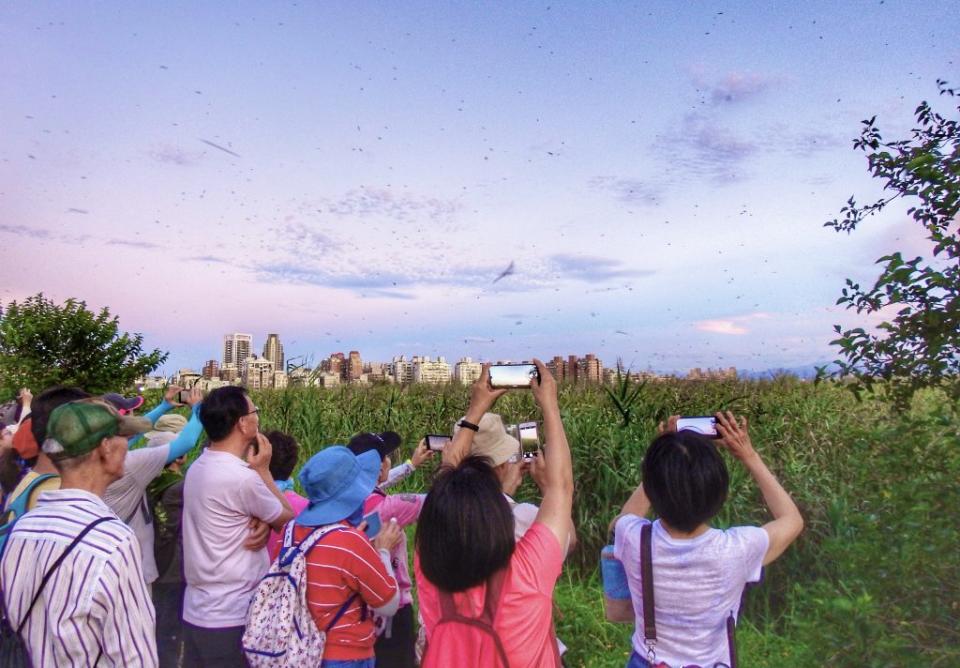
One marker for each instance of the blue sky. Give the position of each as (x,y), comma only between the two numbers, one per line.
(355,176)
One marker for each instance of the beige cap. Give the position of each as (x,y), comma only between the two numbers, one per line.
(171,422)
(492,441)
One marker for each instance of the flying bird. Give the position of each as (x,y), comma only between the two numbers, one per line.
(506,272)
(225,150)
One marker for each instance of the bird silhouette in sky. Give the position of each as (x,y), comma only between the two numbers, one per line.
(506,272)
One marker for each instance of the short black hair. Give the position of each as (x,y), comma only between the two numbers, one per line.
(284,457)
(465,531)
(221,410)
(685,479)
(45,403)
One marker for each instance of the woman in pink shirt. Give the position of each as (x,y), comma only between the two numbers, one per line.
(468,563)
(282,462)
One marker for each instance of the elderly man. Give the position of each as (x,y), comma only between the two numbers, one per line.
(70,573)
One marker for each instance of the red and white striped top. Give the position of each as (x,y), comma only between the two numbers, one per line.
(343,563)
(96,602)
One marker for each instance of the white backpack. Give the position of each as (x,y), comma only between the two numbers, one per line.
(280,630)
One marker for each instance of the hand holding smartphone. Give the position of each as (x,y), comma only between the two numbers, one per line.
(705,425)
(513,376)
(437,442)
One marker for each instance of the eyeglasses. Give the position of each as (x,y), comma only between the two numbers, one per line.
(255,411)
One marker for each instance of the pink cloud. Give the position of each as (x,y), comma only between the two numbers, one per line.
(734,326)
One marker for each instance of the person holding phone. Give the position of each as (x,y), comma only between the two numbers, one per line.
(396,635)
(465,544)
(698,572)
(347,573)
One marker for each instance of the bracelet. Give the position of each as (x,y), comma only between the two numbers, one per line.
(468,425)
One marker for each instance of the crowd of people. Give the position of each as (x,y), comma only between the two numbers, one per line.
(116,553)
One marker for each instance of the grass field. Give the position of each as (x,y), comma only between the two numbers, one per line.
(873,581)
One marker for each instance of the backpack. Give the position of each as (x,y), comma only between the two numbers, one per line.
(457,636)
(19,507)
(280,630)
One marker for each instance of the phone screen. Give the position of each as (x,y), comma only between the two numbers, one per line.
(437,442)
(513,375)
(182,396)
(529,438)
(705,425)
(373,524)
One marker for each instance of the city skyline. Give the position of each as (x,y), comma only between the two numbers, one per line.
(646,183)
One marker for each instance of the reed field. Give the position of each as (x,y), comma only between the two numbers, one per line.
(873,581)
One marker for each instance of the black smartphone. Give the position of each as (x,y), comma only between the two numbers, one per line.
(437,442)
(513,376)
(529,440)
(705,425)
(182,396)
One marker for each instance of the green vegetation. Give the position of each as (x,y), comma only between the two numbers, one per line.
(43,343)
(873,581)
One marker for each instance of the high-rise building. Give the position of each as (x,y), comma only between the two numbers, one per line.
(557,367)
(590,369)
(467,371)
(354,366)
(335,364)
(572,369)
(237,348)
(400,370)
(273,351)
(211,370)
(427,371)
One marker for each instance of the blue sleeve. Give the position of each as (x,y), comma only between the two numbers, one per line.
(158,411)
(187,438)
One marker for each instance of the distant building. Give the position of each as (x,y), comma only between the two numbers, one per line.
(280,380)
(430,372)
(257,373)
(207,385)
(558,368)
(354,366)
(730,373)
(211,370)
(400,370)
(571,369)
(236,348)
(151,382)
(375,372)
(185,378)
(230,372)
(590,369)
(328,379)
(334,364)
(273,351)
(466,371)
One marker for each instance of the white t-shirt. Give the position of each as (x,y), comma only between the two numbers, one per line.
(697,583)
(524,515)
(127,498)
(220,495)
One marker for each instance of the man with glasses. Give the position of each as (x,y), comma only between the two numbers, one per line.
(226,486)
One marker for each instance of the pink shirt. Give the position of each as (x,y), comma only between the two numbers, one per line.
(405,508)
(524,618)
(298,503)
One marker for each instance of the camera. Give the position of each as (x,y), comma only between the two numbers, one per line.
(705,425)
(436,442)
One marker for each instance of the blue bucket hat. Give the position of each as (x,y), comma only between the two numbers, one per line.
(337,482)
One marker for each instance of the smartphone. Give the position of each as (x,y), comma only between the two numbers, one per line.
(373,524)
(182,396)
(705,425)
(437,442)
(513,375)
(529,439)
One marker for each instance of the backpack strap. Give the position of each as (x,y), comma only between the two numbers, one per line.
(449,612)
(52,569)
(646,575)
(19,505)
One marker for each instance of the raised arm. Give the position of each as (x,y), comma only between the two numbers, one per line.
(482,398)
(260,462)
(787,522)
(186,440)
(554,467)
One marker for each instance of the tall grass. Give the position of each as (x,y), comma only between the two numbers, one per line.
(874,580)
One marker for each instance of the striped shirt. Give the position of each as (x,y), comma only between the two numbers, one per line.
(344,563)
(96,603)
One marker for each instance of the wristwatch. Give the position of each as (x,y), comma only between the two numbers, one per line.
(468,425)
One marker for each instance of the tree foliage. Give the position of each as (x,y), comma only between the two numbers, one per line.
(918,342)
(44,344)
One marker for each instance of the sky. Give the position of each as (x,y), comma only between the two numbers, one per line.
(649,179)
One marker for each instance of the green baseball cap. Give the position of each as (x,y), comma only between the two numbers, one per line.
(78,427)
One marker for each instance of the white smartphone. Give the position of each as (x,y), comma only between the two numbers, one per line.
(705,425)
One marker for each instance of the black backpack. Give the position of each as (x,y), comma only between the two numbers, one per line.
(13,650)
